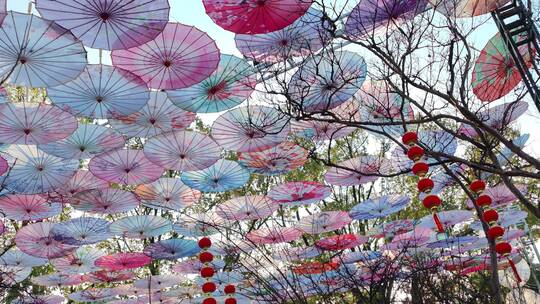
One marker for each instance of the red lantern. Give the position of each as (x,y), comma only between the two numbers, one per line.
(209,287)
(206,257)
(207,272)
(409,138)
(420,169)
(209,301)
(425,185)
(495,232)
(503,248)
(230,301)
(229,289)
(415,153)
(205,243)
(478,186)
(483,200)
(431,201)
(490,216)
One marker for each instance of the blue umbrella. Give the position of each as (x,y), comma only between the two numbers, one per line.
(172,249)
(222,176)
(81,231)
(379,207)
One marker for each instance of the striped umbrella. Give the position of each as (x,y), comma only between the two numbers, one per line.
(105,201)
(249,207)
(280,159)
(171,249)
(81,231)
(167,194)
(299,193)
(123,260)
(222,176)
(31,207)
(140,226)
(37,240)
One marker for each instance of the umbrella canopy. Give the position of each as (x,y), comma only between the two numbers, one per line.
(37,52)
(466,8)
(167,194)
(82,180)
(194,266)
(199,224)
(299,193)
(158,282)
(497,117)
(250,129)
(249,207)
(501,195)
(379,207)
(81,260)
(107,276)
(229,85)
(141,226)
(92,295)
(178,57)
(280,159)
(172,249)
(40,299)
(123,260)
(32,207)
(222,176)
(37,240)
(447,218)
(105,201)
(341,242)
(274,235)
(182,151)
(254,16)
(392,228)
(453,241)
(81,231)
(358,171)
(101,91)
(108,25)
(17,258)
(324,222)
(58,280)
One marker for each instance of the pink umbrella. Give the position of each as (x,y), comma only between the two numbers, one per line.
(123,260)
(179,57)
(274,235)
(341,242)
(2,227)
(32,207)
(358,171)
(4,166)
(36,240)
(500,195)
(59,280)
(391,229)
(105,201)
(40,299)
(82,180)
(158,282)
(249,207)
(92,295)
(280,159)
(124,166)
(447,218)
(497,117)
(108,276)
(299,193)
(33,124)
(167,194)
(324,222)
(255,16)
(419,236)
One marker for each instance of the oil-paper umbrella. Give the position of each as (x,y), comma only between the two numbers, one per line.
(3,10)
(101,91)
(497,117)
(171,249)
(107,276)
(34,171)
(58,280)
(179,57)
(506,219)
(158,282)
(158,116)
(37,240)
(182,151)
(391,229)
(324,222)
(105,201)
(297,253)
(229,85)
(250,129)
(358,171)
(83,180)
(124,166)
(299,193)
(15,257)
(140,226)
(222,176)
(412,239)
(363,257)
(81,231)
(199,224)
(249,207)
(280,159)
(87,141)
(12,275)
(33,207)
(447,218)
(40,299)
(92,295)
(379,207)
(371,16)
(194,266)
(108,25)
(466,8)
(327,80)
(452,241)
(255,16)
(341,242)
(501,195)
(33,124)
(274,235)
(123,260)
(304,37)
(37,52)
(81,260)
(167,194)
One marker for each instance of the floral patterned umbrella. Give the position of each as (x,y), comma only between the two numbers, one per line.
(108,25)
(254,16)
(172,249)
(182,151)
(105,201)
(222,176)
(124,166)
(341,242)
(123,260)
(280,159)
(497,117)
(249,207)
(231,83)
(158,116)
(81,260)
(37,52)
(178,57)
(299,193)
(167,194)
(141,226)
(101,91)
(199,224)
(274,235)
(32,207)
(37,240)
(17,258)
(358,171)
(379,207)
(87,141)
(250,129)
(33,124)
(324,222)
(81,231)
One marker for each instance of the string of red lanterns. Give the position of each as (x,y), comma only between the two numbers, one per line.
(207,271)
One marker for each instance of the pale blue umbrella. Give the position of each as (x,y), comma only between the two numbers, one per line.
(222,176)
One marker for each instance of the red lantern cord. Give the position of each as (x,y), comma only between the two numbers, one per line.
(514,269)
(438,222)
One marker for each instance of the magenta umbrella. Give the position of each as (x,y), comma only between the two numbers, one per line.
(299,193)
(324,222)
(358,171)
(32,207)
(179,57)
(105,201)
(36,240)
(274,235)
(123,260)
(249,207)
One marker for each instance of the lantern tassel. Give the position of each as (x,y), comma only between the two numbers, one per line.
(514,269)
(438,223)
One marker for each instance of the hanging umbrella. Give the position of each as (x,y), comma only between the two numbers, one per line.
(158,282)
(140,226)
(249,207)
(280,159)
(341,242)
(501,195)
(158,116)
(250,129)
(297,253)
(229,85)
(379,207)
(101,91)
(299,193)
(358,171)
(108,25)
(81,231)
(167,194)
(447,218)
(32,124)
(17,258)
(199,224)
(92,295)
(123,260)
(34,171)
(38,52)
(10,275)
(304,37)
(254,16)
(412,239)
(171,249)
(105,201)
(391,229)
(194,266)
(37,240)
(178,57)
(274,235)
(495,73)
(124,166)
(324,222)
(363,257)
(58,280)
(497,117)
(107,276)
(371,16)
(82,180)
(40,299)
(81,260)
(87,141)
(466,8)
(452,241)
(506,219)
(314,267)
(222,176)
(32,207)
(327,80)
(182,151)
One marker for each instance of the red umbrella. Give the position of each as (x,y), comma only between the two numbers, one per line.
(123,260)
(315,267)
